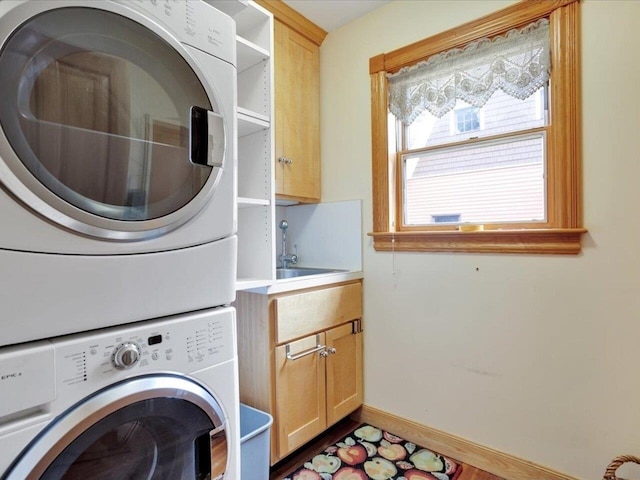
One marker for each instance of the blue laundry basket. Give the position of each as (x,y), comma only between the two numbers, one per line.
(255,439)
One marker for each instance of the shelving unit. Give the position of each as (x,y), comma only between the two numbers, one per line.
(256,198)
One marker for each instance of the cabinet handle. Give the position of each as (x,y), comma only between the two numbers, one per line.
(356,327)
(285,161)
(319,347)
(328,352)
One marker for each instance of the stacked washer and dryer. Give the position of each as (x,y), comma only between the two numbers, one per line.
(118,354)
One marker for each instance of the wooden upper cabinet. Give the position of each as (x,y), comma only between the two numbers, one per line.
(297,115)
(297,103)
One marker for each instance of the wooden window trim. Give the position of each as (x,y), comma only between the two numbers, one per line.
(562,232)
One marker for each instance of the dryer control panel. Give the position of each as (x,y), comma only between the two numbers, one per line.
(196,23)
(182,344)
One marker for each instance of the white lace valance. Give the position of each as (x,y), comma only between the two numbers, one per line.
(518,63)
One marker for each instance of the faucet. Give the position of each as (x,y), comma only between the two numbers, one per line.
(285,258)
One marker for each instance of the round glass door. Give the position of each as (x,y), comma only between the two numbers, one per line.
(149,428)
(158,438)
(106,116)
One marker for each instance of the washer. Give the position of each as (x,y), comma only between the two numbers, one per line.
(117,163)
(156,400)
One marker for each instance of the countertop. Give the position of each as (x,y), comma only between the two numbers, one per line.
(309,281)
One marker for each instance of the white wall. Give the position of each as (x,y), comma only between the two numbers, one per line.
(532,355)
(325,235)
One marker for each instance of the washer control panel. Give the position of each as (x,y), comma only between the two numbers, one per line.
(182,344)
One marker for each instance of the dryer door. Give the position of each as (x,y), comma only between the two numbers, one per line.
(106,125)
(149,428)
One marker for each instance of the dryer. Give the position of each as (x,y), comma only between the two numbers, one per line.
(117,163)
(155,401)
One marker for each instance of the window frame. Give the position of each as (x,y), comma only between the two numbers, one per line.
(561,233)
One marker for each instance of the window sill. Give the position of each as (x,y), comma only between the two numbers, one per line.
(563,241)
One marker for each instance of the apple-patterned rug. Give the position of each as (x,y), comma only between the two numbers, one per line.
(371,453)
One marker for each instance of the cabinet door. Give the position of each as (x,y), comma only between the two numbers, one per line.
(297,115)
(344,371)
(300,392)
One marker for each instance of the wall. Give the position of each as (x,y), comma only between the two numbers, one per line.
(535,356)
(325,235)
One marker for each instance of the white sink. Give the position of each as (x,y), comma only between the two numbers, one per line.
(294,272)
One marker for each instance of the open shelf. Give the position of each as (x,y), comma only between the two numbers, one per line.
(249,54)
(255,24)
(247,202)
(251,122)
(256,194)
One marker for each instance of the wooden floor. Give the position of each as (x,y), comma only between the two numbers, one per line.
(280,470)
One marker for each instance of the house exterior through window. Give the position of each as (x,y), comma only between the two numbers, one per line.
(496,181)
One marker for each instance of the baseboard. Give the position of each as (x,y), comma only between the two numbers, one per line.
(484,458)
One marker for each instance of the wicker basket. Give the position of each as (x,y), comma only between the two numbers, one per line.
(610,473)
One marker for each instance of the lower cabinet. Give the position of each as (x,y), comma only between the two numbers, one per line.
(318,381)
(300,359)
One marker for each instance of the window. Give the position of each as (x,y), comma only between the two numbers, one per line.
(466,119)
(448,218)
(508,163)
(496,181)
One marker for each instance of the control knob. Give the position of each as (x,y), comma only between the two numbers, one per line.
(126,355)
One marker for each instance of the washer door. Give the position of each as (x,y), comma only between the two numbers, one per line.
(149,428)
(110,130)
